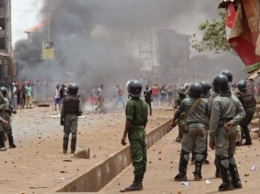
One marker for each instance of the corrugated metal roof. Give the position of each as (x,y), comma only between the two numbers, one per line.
(35,27)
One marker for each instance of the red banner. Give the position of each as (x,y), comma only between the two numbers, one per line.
(244,32)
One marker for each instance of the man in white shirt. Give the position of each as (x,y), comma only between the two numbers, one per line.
(100,98)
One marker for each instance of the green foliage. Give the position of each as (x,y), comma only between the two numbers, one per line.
(213,36)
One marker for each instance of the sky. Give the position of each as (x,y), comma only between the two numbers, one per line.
(25,14)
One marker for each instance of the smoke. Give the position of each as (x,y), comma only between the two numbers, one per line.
(92,37)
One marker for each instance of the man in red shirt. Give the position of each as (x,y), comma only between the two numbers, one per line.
(155,94)
(120,93)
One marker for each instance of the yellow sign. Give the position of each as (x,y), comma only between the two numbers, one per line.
(48,50)
(47,53)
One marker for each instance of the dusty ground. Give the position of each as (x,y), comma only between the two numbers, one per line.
(37,165)
(163,159)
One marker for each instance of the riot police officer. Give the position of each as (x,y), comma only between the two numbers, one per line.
(229,75)
(70,110)
(206,95)
(195,110)
(177,102)
(136,120)
(2,132)
(226,112)
(249,103)
(6,112)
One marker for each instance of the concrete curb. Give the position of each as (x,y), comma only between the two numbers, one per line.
(100,175)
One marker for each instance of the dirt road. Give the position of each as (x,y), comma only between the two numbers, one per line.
(37,165)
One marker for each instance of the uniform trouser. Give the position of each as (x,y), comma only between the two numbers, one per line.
(70,126)
(8,128)
(246,121)
(206,150)
(2,138)
(225,150)
(138,150)
(194,141)
(149,103)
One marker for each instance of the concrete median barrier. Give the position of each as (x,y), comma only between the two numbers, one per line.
(101,174)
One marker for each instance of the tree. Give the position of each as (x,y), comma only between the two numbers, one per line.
(213,36)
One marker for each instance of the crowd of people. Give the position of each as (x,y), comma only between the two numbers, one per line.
(207,114)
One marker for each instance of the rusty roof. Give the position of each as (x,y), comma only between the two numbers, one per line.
(34,28)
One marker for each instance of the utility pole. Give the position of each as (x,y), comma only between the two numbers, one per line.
(146,51)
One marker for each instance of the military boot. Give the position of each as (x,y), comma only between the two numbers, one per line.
(11,141)
(136,186)
(73,143)
(225,175)
(247,136)
(197,173)
(182,167)
(65,143)
(217,173)
(236,182)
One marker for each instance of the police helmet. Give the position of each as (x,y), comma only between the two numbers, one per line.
(242,85)
(228,74)
(134,88)
(205,89)
(195,90)
(220,82)
(3,90)
(73,89)
(181,91)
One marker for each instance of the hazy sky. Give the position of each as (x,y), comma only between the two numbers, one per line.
(25,13)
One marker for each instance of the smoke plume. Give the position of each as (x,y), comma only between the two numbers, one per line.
(92,37)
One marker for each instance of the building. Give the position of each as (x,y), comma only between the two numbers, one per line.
(36,32)
(174,57)
(5,27)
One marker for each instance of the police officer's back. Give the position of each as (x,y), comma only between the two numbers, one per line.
(249,103)
(226,112)
(70,110)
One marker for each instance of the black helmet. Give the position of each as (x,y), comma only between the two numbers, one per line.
(134,88)
(228,74)
(220,82)
(205,89)
(3,90)
(73,88)
(181,91)
(195,90)
(242,85)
